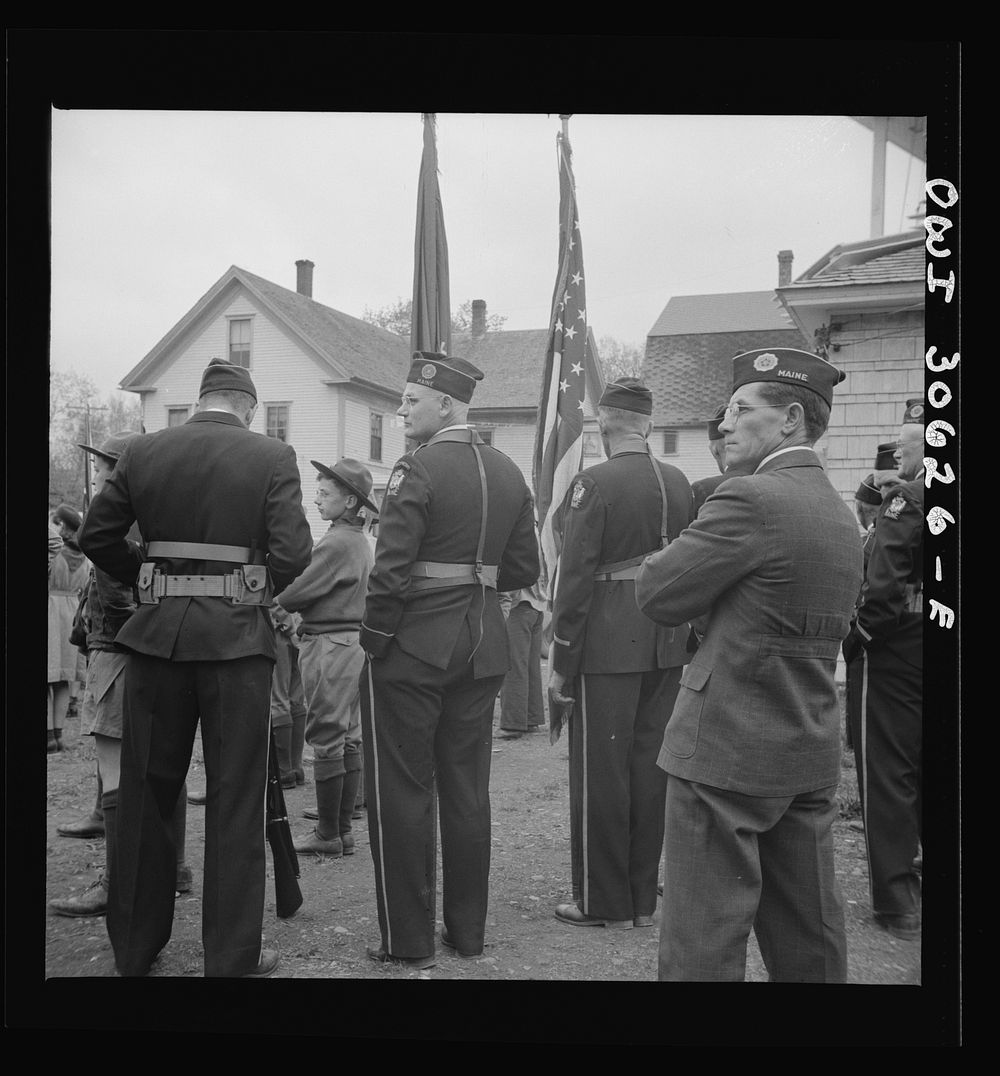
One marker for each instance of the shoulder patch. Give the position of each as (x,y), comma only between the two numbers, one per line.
(399,472)
(579,491)
(896,506)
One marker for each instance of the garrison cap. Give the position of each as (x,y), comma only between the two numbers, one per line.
(444,373)
(221,375)
(628,394)
(788,366)
(113,447)
(352,475)
(885,459)
(868,492)
(714,422)
(914,411)
(67,514)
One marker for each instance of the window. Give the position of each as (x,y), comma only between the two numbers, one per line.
(239,341)
(277,421)
(592,444)
(177,416)
(375,436)
(486,435)
(669,443)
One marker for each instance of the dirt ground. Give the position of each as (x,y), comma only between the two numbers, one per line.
(530,875)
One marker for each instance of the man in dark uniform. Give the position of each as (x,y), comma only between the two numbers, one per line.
(621,669)
(457,524)
(220,510)
(753,746)
(703,487)
(885,683)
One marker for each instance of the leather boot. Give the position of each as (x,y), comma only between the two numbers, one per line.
(351,781)
(95,901)
(283,747)
(325,838)
(298,745)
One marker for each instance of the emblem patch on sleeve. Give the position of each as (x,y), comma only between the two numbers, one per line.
(399,472)
(897,506)
(579,491)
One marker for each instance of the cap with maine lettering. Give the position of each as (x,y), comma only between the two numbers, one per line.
(788,366)
(444,373)
(628,394)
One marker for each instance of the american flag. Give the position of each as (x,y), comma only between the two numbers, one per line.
(559,437)
(430,324)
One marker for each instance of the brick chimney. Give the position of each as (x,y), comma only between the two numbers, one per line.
(304,277)
(478,317)
(784,267)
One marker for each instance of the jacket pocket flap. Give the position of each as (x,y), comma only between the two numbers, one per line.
(696,677)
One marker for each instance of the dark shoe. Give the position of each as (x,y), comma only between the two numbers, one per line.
(380,956)
(347,840)
(54,744)
(311,812)
(509,734)
(570,913)
(355,814)
(288,780)
(94,902)
(315,845)
(446,940)
(906,927)
(267,965)
(643,921)
(185,879)
(659,890)
(91,826)
(300,777)
(198,798)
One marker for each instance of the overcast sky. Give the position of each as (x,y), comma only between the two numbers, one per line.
(150,208)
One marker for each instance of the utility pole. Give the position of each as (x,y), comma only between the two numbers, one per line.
(86,408)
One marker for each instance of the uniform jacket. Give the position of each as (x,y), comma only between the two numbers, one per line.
(611,513)
(774,560)
(705,487)
(890,609)
(431,512)
(209,480)
(330,593)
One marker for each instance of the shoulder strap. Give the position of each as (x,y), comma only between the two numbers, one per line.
(664,539)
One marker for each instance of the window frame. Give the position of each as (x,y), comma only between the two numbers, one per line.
(275,404)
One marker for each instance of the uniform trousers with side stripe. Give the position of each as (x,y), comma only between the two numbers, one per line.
(616,790)
(885,710)
(164,702)
(427,735)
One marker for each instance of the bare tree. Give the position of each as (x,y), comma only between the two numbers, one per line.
(619,359)
(396,318)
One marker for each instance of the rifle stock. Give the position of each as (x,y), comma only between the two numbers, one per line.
(287,894)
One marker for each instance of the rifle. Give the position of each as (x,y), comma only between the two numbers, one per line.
(287,894)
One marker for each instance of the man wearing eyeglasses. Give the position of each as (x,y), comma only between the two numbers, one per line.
(457,525)
(752,748)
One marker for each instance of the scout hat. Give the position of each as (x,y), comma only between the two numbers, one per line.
(788,366)
(221,375)
(868,492)
(714,422)
(67,514)
(454,377)
(353,475)
(885,459)
(113,447)
(628,394)
(914,411)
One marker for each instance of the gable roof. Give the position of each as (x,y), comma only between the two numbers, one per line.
(884,260)
(512,362)
(741,311)
(353,349)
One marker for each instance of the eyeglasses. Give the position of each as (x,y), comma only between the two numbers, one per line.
(734,411)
